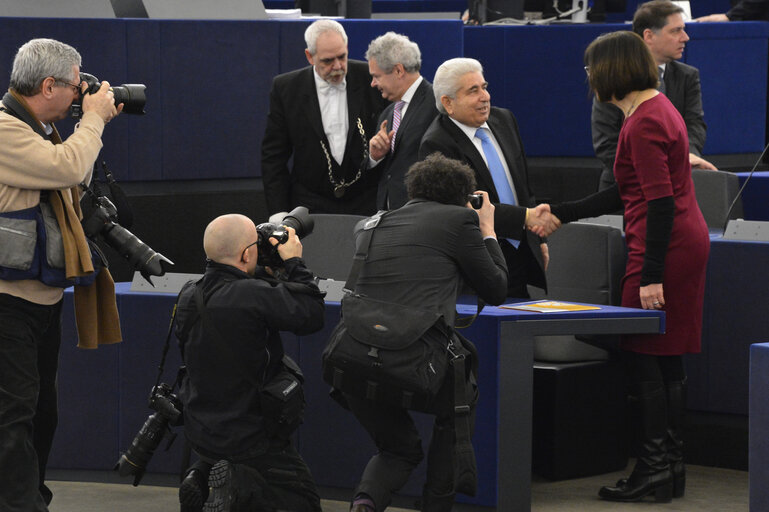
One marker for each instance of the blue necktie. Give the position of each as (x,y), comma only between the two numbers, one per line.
(498,174)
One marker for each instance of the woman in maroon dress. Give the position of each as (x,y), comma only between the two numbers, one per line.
(668,246)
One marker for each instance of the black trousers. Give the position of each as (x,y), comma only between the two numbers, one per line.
(30,336)
(270,478)
(400,450)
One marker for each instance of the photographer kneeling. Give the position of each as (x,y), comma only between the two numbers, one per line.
(418,257)
(228,327)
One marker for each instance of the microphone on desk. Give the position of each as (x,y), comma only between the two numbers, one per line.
(739,192)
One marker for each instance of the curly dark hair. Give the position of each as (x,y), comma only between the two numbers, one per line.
(441,179)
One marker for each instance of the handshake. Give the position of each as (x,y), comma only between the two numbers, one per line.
(541,221)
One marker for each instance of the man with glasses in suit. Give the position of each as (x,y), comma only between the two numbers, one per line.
(661,25)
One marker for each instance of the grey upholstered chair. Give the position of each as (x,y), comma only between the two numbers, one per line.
(329,250)
(587,262)
(579,398)
(715,192)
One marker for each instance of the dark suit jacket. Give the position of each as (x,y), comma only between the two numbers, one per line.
(421,112)
(295,128)
(746,10)
(525,264)
(682,87)
(421,252)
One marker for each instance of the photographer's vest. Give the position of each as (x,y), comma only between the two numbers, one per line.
(31,245)
(57,252)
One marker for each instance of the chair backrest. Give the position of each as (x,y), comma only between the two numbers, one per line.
(587,262)
(715,192)
(329,250)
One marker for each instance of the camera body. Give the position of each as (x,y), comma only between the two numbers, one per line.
(475,200)
(102,222)
(298,218)
(132,96)
(168,411)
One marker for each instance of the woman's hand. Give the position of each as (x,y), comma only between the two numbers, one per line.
(652,296)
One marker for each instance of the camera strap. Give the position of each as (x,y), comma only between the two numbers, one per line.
(166,346)
(14,107)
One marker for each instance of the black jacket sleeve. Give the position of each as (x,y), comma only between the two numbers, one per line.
(693,115)
(603,202)
(481,262)
(605,123)
(276,151)
(295,305)
(748,10)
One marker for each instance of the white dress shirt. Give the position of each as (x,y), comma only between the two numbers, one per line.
(333,111)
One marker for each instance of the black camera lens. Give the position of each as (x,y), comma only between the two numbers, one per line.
(132,96)
(299,218)
(134,460)
(139,255)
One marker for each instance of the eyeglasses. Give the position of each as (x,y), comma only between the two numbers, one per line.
(243,254)
(64,82)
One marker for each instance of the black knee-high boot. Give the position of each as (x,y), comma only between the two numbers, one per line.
(676,391)
(651,475)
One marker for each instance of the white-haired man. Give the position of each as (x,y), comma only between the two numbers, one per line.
(394,62)
(323,115)
(486,138)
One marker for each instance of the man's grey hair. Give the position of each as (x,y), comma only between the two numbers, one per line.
(391,49)
(446,81)
(38,59)
(319,27)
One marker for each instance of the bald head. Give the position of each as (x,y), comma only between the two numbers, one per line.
(226,237)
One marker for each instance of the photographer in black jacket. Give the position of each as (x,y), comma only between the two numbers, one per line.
(231,347)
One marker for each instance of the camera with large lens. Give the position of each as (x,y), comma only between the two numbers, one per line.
(167,407)
(132,96)
(102,222)
(298,218)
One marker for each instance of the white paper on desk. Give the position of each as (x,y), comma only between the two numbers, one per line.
(284,14)
(549,306)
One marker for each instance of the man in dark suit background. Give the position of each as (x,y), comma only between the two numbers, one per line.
(499,162)
(323,116)
(394,62)
(661,25)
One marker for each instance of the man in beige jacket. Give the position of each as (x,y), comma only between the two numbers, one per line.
(45,81)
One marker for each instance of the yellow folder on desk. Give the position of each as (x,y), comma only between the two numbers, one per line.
(549,307)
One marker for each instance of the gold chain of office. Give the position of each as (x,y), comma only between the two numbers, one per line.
(340,186)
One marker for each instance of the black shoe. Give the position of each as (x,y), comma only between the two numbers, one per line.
(639,486)
(222,491)
(679,479)
(193,492)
